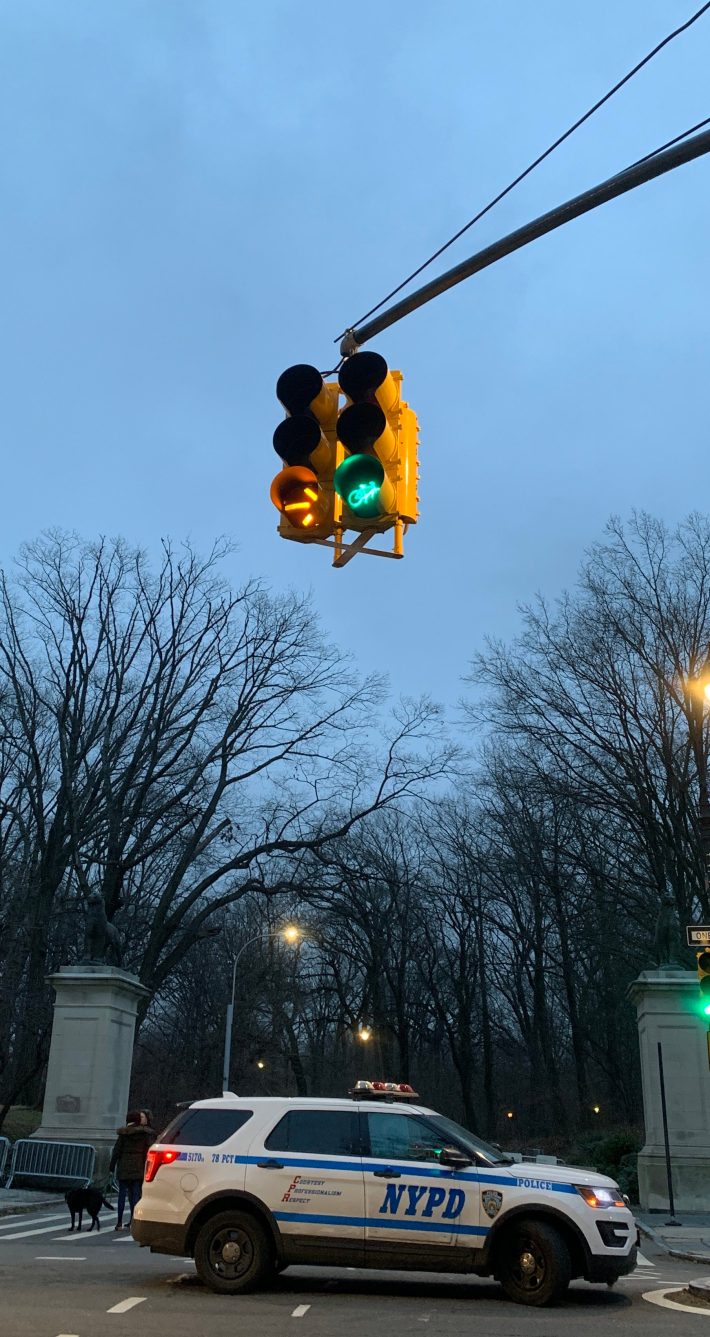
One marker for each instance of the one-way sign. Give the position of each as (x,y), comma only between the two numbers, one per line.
(697,935)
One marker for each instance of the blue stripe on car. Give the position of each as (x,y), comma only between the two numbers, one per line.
(417,1170)
(315,1218)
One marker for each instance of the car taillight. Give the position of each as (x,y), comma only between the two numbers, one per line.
(156,1157)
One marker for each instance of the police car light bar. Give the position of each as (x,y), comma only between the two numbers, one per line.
(383,1091)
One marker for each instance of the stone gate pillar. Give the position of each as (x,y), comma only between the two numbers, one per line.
(667,1010)
(90,1056)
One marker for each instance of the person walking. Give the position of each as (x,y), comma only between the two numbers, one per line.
(128,1160)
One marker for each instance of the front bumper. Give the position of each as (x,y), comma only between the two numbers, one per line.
(160,1237)
(609,1268)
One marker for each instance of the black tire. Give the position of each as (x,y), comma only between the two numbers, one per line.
(534,1266)
(233,1253)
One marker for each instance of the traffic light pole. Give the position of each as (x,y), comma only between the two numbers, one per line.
(636,175)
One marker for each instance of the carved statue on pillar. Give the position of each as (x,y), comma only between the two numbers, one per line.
(102,942)
(668,949)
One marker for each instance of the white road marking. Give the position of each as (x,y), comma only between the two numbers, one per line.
(59,1258)
(83,1235)
(643,1262)
(25,1234)
(659,1298)
(125,1305)
(424,1318)
(300,1310)
(9,1222)
(123,1239)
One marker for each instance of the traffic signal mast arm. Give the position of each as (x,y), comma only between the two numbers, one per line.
(637,175)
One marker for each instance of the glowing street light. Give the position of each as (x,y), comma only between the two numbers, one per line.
(364,1033)
(291,933)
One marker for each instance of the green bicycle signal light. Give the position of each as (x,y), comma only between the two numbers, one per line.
(360,481)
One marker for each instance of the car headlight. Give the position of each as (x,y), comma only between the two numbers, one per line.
(600,1197)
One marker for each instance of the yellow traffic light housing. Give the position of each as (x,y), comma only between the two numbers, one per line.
(376,429)
(305,442)
(353,469)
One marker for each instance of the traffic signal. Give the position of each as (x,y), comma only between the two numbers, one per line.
(377,480)
(350,470)
(703,960)
(305,441)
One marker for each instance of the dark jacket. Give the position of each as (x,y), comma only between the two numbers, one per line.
(131,1149)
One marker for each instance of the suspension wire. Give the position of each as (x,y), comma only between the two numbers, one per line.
(657,163)
(521,177)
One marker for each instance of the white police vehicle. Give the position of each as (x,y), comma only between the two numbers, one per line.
(250,1185)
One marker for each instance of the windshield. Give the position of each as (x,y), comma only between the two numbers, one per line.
(454,1131)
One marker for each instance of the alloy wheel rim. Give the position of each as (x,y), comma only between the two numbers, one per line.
(231,1253)
(529,1266)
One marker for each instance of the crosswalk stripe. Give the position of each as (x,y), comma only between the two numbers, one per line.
(9,1222)
(643,1262)
(25,1234)
(82,1237)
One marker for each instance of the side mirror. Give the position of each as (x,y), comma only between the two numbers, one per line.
(453,1159)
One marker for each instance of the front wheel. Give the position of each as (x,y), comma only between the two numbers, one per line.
(233,1253)
(534,1266)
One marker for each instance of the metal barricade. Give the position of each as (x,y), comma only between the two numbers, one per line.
(69,1163)
(4,1149)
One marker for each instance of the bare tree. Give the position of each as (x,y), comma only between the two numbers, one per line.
(176,744)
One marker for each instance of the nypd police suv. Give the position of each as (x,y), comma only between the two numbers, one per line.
(249,1186)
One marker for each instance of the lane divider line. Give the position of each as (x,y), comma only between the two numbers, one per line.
(124,1305)
(58,1258)
(300,1310)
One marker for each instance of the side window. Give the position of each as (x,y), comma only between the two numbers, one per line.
(325,1132)
(204,1128)
(399,1137)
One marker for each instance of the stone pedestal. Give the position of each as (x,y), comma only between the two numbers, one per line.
(667,1010)
(90,1057)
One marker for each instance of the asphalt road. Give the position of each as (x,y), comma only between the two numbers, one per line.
(53,1284)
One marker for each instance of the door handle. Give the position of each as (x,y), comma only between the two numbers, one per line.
(270,1165)
(387,1174)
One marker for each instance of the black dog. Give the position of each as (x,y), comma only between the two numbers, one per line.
(90,1198)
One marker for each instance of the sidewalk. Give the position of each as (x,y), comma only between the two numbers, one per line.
(27,1200)
(690,1239)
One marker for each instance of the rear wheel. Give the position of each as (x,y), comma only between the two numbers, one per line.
(233,1253)
(534,1266)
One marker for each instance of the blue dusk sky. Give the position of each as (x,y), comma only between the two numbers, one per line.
(197,193)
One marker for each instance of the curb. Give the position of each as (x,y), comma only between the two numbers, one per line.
(686,1257)
(23,1208)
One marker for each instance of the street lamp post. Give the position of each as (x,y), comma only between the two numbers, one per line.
(291,933)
